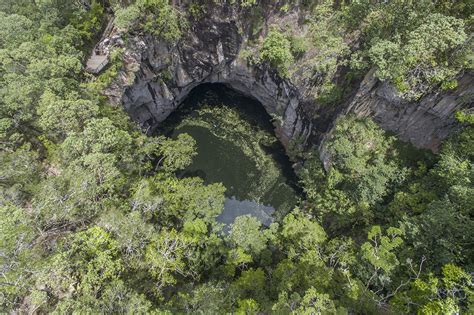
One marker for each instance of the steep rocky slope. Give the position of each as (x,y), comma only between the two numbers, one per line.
(424,123)
(158,76)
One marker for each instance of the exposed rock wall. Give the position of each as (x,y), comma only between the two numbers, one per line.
(425,123)
(209,53)
(158,76)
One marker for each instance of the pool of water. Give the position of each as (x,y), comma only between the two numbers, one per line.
(236,146)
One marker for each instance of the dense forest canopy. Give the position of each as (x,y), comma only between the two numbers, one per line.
(94,219)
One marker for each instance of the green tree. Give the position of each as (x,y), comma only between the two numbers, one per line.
(379,251)
(429,50)
(433,295)
(87,266)
(250,285)
(157,17)
(247,3)
(301,233)
(248,234)
(443,229)
(166,257)
(327,37)
(362,169)
(88,21)
(16,239)
(20,174)
(61,117)
(176,153)
(132,233)
(15,29)
(276,50)
(173,201)
(125,18)
(316,303)
(209,297)
(247,306)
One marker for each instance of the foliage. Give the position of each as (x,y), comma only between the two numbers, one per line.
(15,240)
(156,17)
(247,3)
(171,199)
(425,57)
(89,22)
(327,36)
(435,295)
(243,3)
(125,18)
(166,254)
(464,117)
(177,154)
(95,254)
(379,250)
(299,46)
(316,303)
(276,50)
(417,47)
(60,116)
(299,233)
(209,297)
(362,169)
(246,233)
(95,218)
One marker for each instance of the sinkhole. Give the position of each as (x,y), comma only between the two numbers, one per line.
(236,146)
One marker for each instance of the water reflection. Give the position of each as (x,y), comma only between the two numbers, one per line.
(234,208)
(236,146)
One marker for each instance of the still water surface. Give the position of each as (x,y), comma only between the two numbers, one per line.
(236,146)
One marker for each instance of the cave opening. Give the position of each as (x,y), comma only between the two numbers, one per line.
(236,146)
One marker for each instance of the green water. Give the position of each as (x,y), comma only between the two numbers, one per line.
(219,160)
(237,147)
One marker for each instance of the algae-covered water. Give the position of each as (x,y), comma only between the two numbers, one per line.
(237,147)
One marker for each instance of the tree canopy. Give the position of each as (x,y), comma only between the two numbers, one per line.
(97,217)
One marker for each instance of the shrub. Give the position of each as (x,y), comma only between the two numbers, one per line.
(299,46)
(125,18)
(277,51)
(430,54)
(156,17)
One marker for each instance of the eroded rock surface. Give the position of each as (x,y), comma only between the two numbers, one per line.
(425,123)
(164,74)
(158,76)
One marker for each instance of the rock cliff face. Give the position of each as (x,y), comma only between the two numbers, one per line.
(158,76)
(425,123)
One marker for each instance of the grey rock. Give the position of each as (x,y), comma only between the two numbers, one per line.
(158,76)
(425,123)
(207,54)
